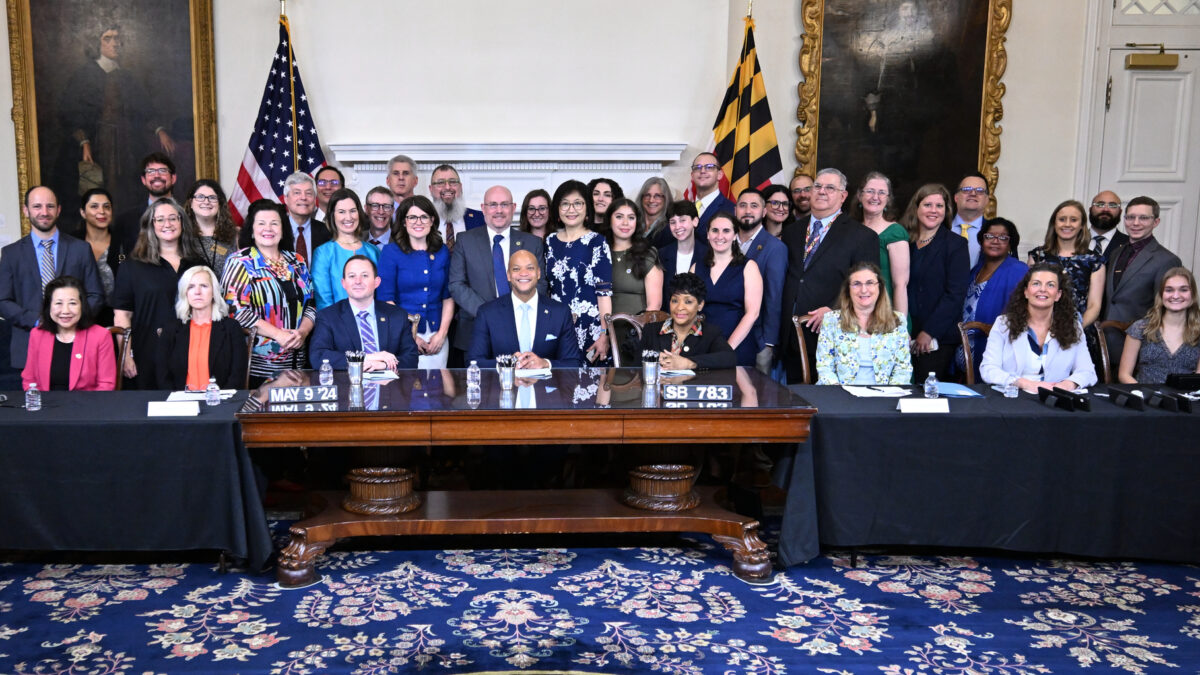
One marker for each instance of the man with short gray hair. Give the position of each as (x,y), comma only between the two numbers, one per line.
(300,198)
(445,187)
(401,178)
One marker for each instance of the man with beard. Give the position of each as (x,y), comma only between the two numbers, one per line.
(31,262)
(770,255)
(1104,216)
(379,215)
(158,177)
(706,176)
(970,199)
(329,181)
(446,189)
(801,187)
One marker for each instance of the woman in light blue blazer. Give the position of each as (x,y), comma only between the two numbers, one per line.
(1038,342)
(863,341)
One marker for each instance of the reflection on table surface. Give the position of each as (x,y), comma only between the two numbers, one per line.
(565,389)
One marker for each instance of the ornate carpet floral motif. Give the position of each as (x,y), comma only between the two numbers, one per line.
(1091,641)
(1192,627)
(821,620)
(508,564)
(521,627)
(948,584)
(654,595)
(1084,584)
(696,554)
(952,653)
(675,651)
(343,561)
(220,626)
(78,592)
(415,648)
(81,653)
(361,598)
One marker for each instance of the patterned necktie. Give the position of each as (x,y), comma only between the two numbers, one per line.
(449,234)
(966,228)
(525,331)
(371,397)
(814,237)
(1098,244)
(301,245)
(366,332)
(498,266)
(47,262)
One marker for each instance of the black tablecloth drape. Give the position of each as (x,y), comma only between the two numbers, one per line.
(996,473)
(90,471)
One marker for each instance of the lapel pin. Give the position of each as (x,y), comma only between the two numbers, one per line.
(382,319)
(79,356)
(759,247)
(686,348)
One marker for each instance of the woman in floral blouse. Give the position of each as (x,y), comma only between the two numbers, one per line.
(863,341)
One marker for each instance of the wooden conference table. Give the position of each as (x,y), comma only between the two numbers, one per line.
(584,406)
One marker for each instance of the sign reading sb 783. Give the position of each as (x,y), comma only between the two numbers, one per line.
(697,392)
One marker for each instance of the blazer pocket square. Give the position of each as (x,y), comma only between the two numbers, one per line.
(551,336)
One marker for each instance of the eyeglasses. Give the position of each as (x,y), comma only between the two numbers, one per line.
(446,182)
(996,237)
(537,209)
(704,167)
(205,199)
(973,190)
(492,206)
(159,171)
(1137,218)
(778,203)
(379,207)
(567,206)
(173,218)
(329,182)
(802,190)
(424,219)
(1106,205)
(870,283)
(871,192)
(818,187)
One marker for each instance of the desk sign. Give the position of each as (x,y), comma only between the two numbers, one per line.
(697,404)
(923,405)
(304,407)
(697,392)
(307,394)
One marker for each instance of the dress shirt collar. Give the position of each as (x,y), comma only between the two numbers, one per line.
(745,247)
(369,308)
(533,308)
(106,64)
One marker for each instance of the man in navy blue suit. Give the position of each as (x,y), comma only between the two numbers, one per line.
(770,255)
(706,175)
(538,330)
(29,263)
(358,323)
(445,188)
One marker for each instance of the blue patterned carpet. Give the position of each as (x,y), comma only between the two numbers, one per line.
(671,608)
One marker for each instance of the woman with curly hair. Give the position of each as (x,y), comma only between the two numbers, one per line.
(637,279)
(1167,339)
(1038,342)
(213,226)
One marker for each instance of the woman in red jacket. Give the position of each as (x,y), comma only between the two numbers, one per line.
(67,352)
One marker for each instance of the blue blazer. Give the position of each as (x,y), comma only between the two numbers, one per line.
(496,333)
(473,218)
(937,286)
(720,203)
(770,255)
(336,333)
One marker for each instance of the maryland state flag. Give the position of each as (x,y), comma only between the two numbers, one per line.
(743,135)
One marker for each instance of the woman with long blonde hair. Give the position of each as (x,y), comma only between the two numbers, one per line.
(1167,339)
(863,341)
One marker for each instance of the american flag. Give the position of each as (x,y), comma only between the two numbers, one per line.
(284,139)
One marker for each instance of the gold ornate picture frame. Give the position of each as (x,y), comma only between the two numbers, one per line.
(117,78)
(911,88)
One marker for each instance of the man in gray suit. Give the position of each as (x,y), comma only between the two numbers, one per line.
(479,261)
(28,264)
(1134,270)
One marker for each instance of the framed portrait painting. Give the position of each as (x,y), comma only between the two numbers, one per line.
(98,86)
(910,88)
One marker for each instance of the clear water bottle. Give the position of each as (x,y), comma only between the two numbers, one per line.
(326,373)
(931,386)
(473,376)
(474,396)
(212,393)
(33,397)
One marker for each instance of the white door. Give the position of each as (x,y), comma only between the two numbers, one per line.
(1151,145)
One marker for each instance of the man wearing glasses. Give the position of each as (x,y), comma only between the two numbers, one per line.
(379,213)
(970,199)
(706,176)
(445,188)
(158,177)
(1137,267)
(329,181)
(801,189)
(1104,215)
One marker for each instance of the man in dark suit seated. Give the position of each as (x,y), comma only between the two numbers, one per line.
(538,330)
(358,323)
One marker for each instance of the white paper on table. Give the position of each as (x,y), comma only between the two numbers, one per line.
(532,372)
(863,391)
(380,375)
(172,408)
(226,394)
(676,373)
(923,405)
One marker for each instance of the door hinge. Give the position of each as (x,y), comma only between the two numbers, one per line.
(1108,95)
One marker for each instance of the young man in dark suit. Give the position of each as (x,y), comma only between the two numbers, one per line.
(1104,215)
(706,175)
(358,323)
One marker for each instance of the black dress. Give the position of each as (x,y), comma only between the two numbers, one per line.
(149,291)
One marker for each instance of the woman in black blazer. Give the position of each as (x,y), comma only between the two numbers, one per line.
(204,322)
(939,273)
(685,342)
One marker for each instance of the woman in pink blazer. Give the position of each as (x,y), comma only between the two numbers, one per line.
(67,352)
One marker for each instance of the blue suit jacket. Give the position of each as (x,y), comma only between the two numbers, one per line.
(473,218)
(21,285)
(336,333)
(770,255)
(496,333)
(715,206)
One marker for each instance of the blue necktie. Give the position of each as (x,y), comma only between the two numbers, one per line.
(525,331)
(47,262)
(498,266)
(366,332)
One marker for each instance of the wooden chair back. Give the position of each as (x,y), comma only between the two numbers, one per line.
(636,322)
(805,367)
(964,333)
(120,337)
(1107,368)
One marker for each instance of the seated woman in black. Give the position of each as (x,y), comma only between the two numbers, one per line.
(685,342)
(205,342)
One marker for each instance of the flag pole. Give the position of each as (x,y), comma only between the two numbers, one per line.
(292,91)
(749,8)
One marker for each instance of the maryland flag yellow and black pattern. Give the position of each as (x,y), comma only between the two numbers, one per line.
(743,135)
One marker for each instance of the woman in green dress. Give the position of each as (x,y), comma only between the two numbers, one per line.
(874,201)
(637,278)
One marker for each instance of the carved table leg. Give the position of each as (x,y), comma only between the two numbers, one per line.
(297,560)
(751,561)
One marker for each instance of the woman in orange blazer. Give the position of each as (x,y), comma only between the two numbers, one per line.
(67,352)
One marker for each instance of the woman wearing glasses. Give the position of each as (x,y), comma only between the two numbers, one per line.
(1068,245)
(992,282)
(144,295)
(414,273)
(863,341)
(778,211)
(874,208)
(653,198)
(535,213)
(350,230)
(579,267)
(208,208)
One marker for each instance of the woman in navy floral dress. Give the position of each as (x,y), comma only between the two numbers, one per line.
(579,267)
(1067,245)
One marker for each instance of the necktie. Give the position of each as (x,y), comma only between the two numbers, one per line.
(449,234)
(301,245)
(1098,243)
(366,332)
(700,206)
(966,228)
(525,330)
(814,237)
(371,397)
(498,266)
(47,262)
